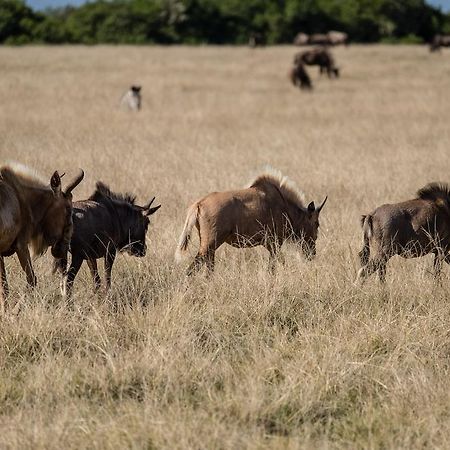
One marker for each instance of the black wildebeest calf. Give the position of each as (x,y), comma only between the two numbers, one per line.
(409,229)
(103,225)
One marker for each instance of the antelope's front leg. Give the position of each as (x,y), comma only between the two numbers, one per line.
(25,262)
(3,285)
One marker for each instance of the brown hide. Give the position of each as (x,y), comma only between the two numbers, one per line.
(409,229)
(266,213)
(35,214)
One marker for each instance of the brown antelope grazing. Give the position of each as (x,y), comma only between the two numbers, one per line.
(439,41)
(318,57)
(267,213)
(132,99)
(33,213)
(299,77)
(410,229)
(103,225)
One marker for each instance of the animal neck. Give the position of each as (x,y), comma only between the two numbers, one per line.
(120,212)
(39,201)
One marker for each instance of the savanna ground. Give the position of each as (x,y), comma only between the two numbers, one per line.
(302,359)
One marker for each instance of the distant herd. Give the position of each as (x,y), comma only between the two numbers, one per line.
(36,215)
(321,55)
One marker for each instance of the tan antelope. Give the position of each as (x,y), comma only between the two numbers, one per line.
(266,213)
(33,213)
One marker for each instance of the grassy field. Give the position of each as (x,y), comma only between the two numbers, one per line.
(300,359)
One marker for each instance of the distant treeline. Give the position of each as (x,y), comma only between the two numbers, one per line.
(219,21)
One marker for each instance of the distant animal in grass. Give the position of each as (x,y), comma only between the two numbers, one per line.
(132,99)
(439,41)
(104,225)
(33,213)
(410,229)
(331,38)
(318,57)
(256,40)
(299,77)
(269,212)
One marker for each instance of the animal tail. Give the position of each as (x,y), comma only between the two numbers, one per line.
(366,224)
(191,220)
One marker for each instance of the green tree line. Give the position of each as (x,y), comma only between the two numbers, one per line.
(219,21)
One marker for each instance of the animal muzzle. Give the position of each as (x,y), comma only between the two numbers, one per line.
(137,249)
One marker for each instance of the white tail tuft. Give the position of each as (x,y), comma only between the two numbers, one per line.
(191,219)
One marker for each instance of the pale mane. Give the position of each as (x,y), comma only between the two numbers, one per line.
(286,186)
(26,175)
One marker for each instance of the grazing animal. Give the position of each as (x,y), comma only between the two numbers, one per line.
(330,38)
(266,213)
(299,77)
(103,225)
(318,57)
(32,213)
(439,41)
(337,38)
(409,229)
(132,99)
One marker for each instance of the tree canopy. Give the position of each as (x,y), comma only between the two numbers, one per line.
(219,21)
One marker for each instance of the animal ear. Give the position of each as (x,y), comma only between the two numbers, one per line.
(311,207)
(151,211)
(55,183)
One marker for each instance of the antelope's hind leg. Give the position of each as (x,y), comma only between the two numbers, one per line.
(92,263)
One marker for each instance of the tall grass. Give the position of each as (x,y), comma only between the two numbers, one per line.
(244,359)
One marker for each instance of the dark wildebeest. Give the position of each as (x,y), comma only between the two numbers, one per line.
(103,225)
(256,40)
(299,77)
(410,229)
(132,99)
(318,57)
(439,41)
(267,213)
(32,213)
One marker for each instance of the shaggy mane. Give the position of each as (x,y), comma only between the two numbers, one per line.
(102,191)
(25,175)
(435,192)
(287,187)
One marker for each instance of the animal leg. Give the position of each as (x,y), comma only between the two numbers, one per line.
(367,270)
(196,265)
(4,285)
(437,264)
(210,260)
(382,271)
(92,263)
(25,262)
(68,280)
(109,261)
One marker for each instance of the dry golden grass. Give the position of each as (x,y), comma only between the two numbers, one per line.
(302,359)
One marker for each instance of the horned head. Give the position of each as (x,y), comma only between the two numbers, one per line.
(311,229)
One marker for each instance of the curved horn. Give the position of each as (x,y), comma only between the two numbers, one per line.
(74,183)
(323,203)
